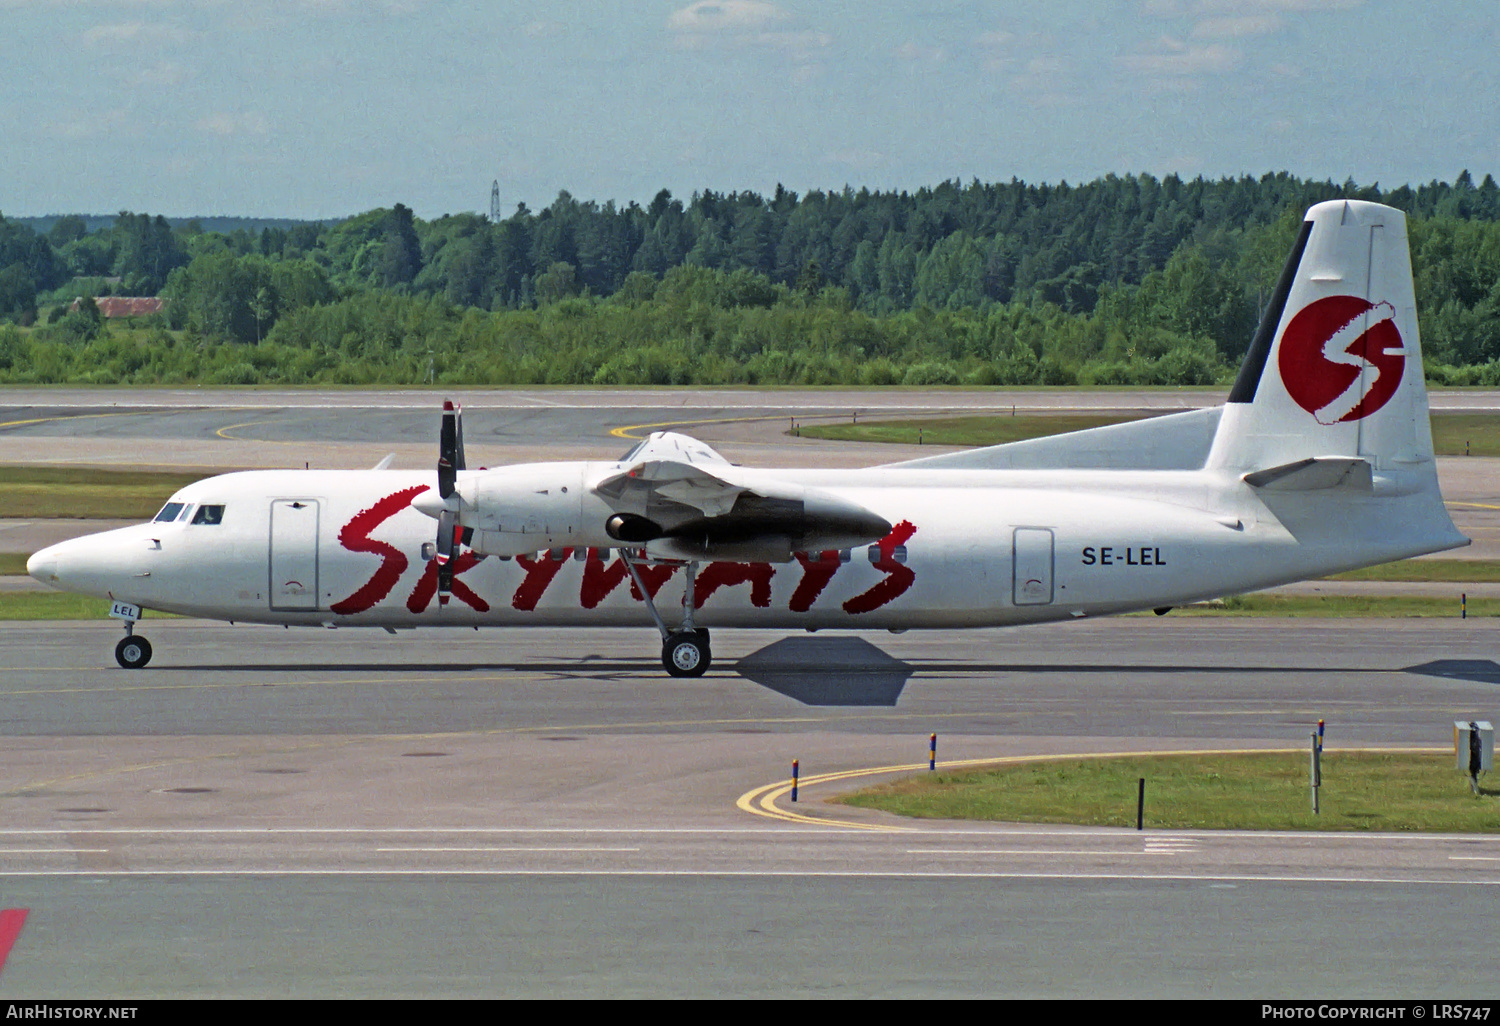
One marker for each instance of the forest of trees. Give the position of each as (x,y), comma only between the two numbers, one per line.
(1124,280)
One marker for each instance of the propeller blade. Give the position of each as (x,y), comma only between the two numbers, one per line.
(458,431)
(447,528)
(448,451)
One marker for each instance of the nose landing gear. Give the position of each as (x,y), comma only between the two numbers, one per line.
(132,652)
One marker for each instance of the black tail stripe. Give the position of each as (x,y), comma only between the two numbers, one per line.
(1260,348)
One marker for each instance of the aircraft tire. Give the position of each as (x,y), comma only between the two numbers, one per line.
(686,654)
(133,652)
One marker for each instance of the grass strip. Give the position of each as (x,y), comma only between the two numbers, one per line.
(1340,606)
(980,430)
(1362,790)
(1460,571)
(58,605)
(35,493)
(1453,434)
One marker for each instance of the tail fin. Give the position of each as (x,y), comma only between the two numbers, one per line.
(1335,369)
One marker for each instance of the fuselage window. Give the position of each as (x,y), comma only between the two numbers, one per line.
(209,515)
(168,513)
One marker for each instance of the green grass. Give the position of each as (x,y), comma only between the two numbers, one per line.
(57,605)
(985,430)
(1463,571)
(1263,791)
(1340,606)
(31,493)
(1450,431)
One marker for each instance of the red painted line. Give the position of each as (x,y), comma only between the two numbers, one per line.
(11,921)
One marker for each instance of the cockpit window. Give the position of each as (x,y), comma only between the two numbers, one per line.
(209,514)
(168,513)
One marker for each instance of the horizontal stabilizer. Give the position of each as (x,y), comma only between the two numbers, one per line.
(1176,441)
(1313,474)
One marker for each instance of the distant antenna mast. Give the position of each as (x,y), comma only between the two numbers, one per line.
(495,202)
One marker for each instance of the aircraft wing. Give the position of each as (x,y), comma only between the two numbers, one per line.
(683,500)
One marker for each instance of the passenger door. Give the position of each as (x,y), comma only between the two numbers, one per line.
(294,554)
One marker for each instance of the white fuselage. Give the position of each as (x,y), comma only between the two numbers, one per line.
(970,548)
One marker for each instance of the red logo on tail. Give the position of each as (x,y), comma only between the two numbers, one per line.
(1341,358)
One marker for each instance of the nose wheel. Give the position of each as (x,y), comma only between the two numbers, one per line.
(133,652)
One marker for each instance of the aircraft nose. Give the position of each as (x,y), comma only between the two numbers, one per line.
(43,565)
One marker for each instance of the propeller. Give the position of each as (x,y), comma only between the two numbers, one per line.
(450,462)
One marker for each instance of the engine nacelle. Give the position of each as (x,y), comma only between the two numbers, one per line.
(525,508)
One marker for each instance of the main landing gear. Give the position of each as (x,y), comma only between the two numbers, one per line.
(133,651)
(684,652)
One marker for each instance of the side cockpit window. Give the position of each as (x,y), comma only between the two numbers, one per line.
(168,513)
(209,514)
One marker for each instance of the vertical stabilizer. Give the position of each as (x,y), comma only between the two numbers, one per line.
(1335,369)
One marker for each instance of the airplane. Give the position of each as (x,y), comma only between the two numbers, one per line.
(1320,461)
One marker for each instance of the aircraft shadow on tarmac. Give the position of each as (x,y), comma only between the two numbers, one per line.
(827,671)
(1482,671)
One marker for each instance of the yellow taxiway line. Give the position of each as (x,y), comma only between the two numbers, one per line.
(761,801)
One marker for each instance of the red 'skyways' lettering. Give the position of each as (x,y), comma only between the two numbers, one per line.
(539,574)
(599,580)
(817,572)
(426,587)
(897,576)
(355,537)
(721,575)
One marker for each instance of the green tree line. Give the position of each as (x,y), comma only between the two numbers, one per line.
(1121,280)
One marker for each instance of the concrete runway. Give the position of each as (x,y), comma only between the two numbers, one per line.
(545,813)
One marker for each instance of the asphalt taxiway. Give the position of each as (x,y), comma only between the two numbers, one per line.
(543,813)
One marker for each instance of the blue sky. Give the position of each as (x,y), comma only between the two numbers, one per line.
(321,108)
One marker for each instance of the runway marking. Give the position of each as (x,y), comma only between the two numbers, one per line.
(1469,505)
(1096,853)
(626,431)
(516,849)
(793,874)
(265,441)
(761,801)
(54,851)
(1474,858)
(71,416)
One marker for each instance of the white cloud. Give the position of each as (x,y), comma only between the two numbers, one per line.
(162,73)
(136,34)
(1174,58)
(1235,26)
(732,16)
(916,52)
(743,24)
(225,124)
(91,124)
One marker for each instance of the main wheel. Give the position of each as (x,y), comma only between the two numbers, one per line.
(133,652)
(686,654)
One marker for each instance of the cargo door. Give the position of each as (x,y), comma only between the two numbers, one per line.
(1031,554)
(294,554)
